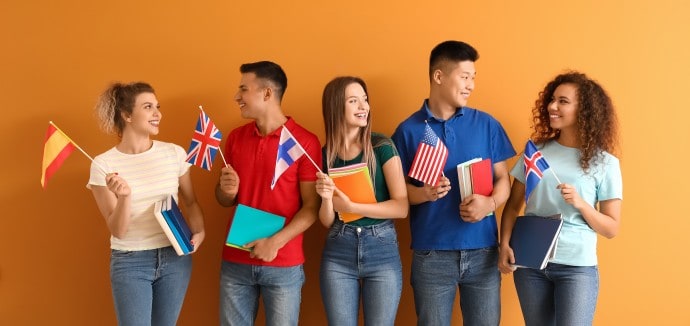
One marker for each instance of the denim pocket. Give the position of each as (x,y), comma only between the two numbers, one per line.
(387,236)
(334,232)
(423,253)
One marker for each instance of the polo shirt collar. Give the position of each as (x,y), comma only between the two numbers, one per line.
(430,116)
(290,124)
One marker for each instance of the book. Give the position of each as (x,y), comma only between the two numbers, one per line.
(174,225)
(534,240)
(475,177)
(249,224)
(354,180)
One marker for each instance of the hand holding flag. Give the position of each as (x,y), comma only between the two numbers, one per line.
(535,165)
(430,158)
(289,151)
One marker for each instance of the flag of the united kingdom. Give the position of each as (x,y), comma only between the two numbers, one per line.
(205,143)
(535,165)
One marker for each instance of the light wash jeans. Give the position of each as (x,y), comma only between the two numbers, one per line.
(436,275)
(361,261)
(558,294)
(149,285)
(241,286)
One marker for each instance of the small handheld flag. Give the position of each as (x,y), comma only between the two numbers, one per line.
(205,142)
(289,151)
(56,148)
(429,159)
(535,165)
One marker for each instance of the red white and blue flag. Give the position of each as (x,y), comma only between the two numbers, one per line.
(535,165)
(429,159)
(205,143)
(289,151)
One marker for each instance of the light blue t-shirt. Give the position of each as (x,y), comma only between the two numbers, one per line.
(577,243)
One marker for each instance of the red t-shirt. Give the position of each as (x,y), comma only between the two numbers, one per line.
(254,158)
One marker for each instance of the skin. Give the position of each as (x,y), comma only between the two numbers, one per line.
(114,200)
(563,110)
(257,101)
(332,199)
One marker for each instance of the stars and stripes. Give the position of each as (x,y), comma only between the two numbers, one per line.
(429,159)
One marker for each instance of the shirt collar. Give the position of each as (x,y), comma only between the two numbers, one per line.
(290,124)
(430,116)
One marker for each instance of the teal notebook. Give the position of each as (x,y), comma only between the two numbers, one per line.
(251,224)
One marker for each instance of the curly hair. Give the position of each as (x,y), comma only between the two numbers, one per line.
(596,118)
(115,100)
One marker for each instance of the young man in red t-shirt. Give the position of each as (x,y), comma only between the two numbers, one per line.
(272,268)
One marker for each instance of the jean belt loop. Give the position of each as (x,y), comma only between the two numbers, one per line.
(341,226)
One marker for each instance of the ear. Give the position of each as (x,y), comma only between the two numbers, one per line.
(126,116)
(268,93)
(437,76)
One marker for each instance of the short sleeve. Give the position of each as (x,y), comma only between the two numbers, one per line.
(611,186)
(181,155)
(97,172)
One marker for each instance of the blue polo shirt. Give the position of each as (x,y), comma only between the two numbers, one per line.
(468,134)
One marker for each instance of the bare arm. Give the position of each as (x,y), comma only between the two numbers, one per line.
(506,257)
(605,221)
(193,210)
(266,249)
(418,195)
(115,204)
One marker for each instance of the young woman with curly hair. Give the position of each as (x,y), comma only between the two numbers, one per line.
(575,128)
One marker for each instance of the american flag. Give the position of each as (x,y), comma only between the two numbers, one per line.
(429,159)
(535,165)
(289,151)
(205,143)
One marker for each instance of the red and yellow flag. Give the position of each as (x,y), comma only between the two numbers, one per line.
(56,149)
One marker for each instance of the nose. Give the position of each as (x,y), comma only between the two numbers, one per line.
(237,96)
(470,84)
(552,106)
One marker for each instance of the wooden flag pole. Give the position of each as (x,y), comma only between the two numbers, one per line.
(78,147)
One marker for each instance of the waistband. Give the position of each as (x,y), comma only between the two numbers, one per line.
(372,229)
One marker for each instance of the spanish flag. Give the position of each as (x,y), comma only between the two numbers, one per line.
(56,149)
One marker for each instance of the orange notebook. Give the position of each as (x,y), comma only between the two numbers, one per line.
(355,182)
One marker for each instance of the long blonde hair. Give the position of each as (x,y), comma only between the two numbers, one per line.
(333,109)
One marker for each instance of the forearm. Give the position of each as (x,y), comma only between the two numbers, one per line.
(302,220)
(223,198)
(326,212)
(605,222)
(389,209)
(119,218)
(416,195)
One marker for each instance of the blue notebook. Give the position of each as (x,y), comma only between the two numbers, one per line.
(534,240)
(251,224)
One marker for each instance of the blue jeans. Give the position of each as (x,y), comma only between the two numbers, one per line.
(149,285)
(436,275)
(558,295)
(241,286)
(361,261)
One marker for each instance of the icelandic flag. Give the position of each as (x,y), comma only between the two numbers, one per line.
(430,158)
(289,151)
(205,143)
(535,165)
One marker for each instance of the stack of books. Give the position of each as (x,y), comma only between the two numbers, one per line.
(174,225)
(354,180)
(475,177)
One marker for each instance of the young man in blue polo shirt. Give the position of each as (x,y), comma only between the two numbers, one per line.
(455,239)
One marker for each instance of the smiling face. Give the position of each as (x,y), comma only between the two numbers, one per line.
(146,115)
(456,82)
(563,107)
(356,106)
(250,96)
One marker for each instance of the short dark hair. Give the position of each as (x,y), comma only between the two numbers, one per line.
(269,71)
(454,51)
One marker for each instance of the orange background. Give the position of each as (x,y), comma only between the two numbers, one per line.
(57,56)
